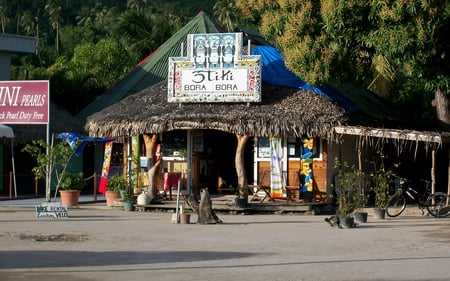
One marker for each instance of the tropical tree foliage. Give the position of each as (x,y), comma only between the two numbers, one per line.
(105,62)
(54,10)
(145,31)
(227,13)
(3,17)
(84,47)
(390,46)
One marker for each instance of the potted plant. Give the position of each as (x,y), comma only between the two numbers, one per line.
(51,159)
(128,197)
(69,186)
(115,185)
(185,215)
(360,200)
(347,184)
(241,196)
(345,208)
(381,178)
(380,190)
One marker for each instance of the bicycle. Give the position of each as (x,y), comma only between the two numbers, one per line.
(435,203)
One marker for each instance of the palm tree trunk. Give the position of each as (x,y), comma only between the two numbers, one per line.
(57,38)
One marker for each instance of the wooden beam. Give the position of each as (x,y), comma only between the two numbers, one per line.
(390,133)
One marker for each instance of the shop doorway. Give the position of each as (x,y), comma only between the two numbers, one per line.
(217,169)
(213,156)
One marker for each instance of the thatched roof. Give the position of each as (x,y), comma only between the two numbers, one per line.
(282,112)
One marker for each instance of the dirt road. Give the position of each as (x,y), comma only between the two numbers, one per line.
(96,243)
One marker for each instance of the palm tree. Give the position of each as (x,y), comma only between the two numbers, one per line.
(28,22)
(145,31)
(136,5)
(86,16)
(226,13)
(53,10)
(100,18)
(3,18)
(105,16)
(385,74)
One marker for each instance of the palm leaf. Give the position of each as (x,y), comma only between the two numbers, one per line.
(382,83)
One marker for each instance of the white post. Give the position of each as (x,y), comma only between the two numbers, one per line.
(48,172)
(178,198)
(14,167)
(189,161)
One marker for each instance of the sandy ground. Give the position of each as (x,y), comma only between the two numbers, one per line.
(96,243)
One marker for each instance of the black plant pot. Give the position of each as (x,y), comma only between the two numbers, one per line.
(347,222)
(379,213)
(241,202)
(361,216)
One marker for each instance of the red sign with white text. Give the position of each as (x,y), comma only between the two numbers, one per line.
(24,102)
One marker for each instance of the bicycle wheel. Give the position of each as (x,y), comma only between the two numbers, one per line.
(396,205)
(438,204)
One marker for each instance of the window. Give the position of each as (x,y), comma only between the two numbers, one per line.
(263,148)
(174,144)
(294,148)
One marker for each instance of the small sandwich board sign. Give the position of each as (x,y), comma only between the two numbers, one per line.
(55,210)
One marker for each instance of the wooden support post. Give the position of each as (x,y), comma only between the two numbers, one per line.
(95,186)
(10,185)
(433,175)
(153,163)
(448,177)
(36,191)
(240,167)
(125,158)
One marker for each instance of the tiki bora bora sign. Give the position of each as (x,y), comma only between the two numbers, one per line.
(214,71)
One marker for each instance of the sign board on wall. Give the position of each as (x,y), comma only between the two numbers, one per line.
(24,102)
(214,71)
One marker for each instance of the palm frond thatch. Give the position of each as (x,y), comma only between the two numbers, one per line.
(282,112)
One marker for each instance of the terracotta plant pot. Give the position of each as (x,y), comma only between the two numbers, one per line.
(111,197)
(185,218)
(69,198)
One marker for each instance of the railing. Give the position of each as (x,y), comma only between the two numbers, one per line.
(12,193)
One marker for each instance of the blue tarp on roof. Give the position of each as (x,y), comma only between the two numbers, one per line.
(274,72)
(78,142)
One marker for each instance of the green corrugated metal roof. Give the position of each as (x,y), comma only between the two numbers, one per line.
(153,68)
